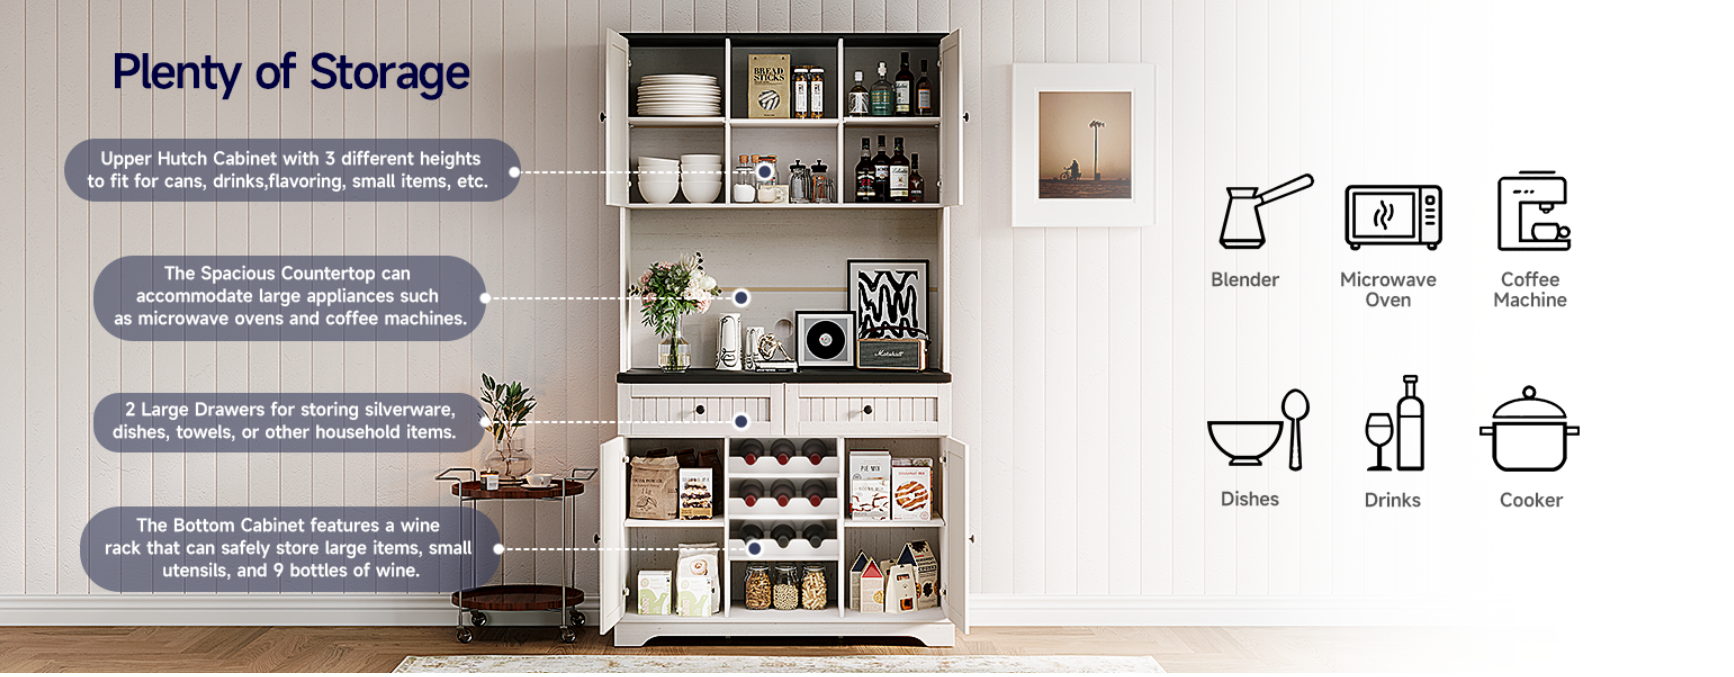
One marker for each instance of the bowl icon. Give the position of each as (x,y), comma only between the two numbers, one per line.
(1244,442)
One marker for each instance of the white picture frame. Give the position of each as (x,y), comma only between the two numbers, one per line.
(1030,207)
(844,323)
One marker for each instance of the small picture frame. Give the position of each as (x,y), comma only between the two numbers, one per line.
(889,298)
(1084,145)
(825,338)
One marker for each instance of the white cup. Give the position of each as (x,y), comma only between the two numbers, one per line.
(539,480)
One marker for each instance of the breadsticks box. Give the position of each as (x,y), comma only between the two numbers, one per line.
(911,492)
(767,85)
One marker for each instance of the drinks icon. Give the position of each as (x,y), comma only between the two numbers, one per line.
(1379,434)
(1411,431)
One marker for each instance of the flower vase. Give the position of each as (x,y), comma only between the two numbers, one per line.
(675,354)
(510,458)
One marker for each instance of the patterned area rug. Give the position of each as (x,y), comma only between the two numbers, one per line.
(702,664)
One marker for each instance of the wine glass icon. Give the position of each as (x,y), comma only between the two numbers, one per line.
(1379,434)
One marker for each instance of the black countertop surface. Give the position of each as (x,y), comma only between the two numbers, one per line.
(805,375)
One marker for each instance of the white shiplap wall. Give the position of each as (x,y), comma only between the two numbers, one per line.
(1082,353)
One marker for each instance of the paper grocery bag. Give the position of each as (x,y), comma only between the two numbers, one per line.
(654,492)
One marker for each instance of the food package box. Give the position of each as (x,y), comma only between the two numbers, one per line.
(695,581)
(855,571)
(653,489)
(869,489)
(653,589)
(920,555)
(696,497)
(900,589)
(911,493)
(872,588)
(768,86)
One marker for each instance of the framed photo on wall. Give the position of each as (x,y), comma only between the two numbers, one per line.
(889,297)
(1083,144)
(826,337)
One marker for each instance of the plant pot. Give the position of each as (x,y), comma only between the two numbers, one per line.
(510,458)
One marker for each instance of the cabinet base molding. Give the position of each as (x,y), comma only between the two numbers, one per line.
(110,609)
(930,633)
(1222,610)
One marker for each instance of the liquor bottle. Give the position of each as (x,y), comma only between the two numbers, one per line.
(858,97)
(881,174)
(1411,429)
(814,533)
(751,491)
(751,451)
(899,179)
(800,87)
(917,185)
(751,532)
(905,89)
(814,450)
(880,95)
(814,490)
(783,450)
(864,174)
(783,533)
(782,490)
(923,93)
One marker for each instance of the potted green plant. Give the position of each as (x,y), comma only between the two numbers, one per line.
(506,408)
(669,290)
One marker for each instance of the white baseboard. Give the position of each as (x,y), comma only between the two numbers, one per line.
(241,609)
(988,610)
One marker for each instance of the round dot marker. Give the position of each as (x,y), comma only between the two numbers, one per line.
(742,421)
(514,172)
(499,548)
(742,297)
(486,297)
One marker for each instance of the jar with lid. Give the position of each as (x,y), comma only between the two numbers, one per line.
(786,588)
(746,186)
(824,191)
(800,183)
(799,84)
(813,589)
(815,92)
(758,588)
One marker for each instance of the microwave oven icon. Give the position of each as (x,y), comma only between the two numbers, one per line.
(1378,215)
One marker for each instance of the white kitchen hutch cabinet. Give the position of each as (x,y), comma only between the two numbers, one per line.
(791,257)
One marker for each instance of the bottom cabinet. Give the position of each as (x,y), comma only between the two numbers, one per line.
(747,538)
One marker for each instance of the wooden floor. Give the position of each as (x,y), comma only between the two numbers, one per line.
(299,649)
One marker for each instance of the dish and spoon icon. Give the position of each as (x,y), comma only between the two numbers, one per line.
(1245,443)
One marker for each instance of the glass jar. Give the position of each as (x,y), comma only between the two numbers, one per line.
(813,590)
(800,183)
(758,590)
(786,589)
(815,92)
(746,187)
(823,191)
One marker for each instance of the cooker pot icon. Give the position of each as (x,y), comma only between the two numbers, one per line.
(1529,434)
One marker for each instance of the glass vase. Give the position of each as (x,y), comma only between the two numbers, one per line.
(675,354)
(510,458)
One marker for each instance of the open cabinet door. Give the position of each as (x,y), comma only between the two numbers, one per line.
(615,88)
(611,535)
(951,127)
(959,534)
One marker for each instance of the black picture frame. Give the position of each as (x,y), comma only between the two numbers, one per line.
(888,297)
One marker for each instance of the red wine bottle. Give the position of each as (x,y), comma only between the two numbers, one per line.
(783,533)
(814,533)
(751,451)
(783,450)
(814,450)
(814,490)
(782,490)
(751,491)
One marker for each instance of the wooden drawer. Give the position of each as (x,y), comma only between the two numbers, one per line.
(867,410)
(700,410)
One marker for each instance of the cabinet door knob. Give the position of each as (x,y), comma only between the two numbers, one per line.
(597,538)
(698,410)
(868,410)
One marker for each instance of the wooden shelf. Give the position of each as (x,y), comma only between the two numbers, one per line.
(892,524)
(677,524)
(675,121)
(786,123)
(806,375)
(871,121)
(518,598)
(930,206)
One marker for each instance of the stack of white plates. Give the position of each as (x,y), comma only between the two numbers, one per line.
(701,177)
(658,179)
(679,95)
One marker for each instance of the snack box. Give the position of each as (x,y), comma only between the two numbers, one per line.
(653,589)
(872,588)
(696,494)
(855,571)
(695,581)
(911,493)
(900,589)
(768,85)
(869,487)
(921,556)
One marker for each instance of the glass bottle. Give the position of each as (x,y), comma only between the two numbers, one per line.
(799,83)
(751,532)
(917,185)
(758,588)
(881,174)
(899,173)
(905,89)
(800,183)
(858,97)
(783,491)
(745,187)
(786,588)
(815,92)
(814,490)
(864,174)
(814,534)
(881,94)
(813,589)
(815,450)
(782,534)
(783,450)
(1411,428)
(751,491)
(751,451)
(824,189)
(923,93)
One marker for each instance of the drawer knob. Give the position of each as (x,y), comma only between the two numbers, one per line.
(698,410)
(868,410)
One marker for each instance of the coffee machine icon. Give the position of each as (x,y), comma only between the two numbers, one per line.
(1524,200)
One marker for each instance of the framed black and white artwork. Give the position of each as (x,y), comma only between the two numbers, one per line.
(889,297)
(827,338)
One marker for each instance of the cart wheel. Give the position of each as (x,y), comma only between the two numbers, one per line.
(465,636)
(578,618)
(478,619)
(568,636)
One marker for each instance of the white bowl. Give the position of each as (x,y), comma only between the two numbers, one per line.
(658,193)
(701,193)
